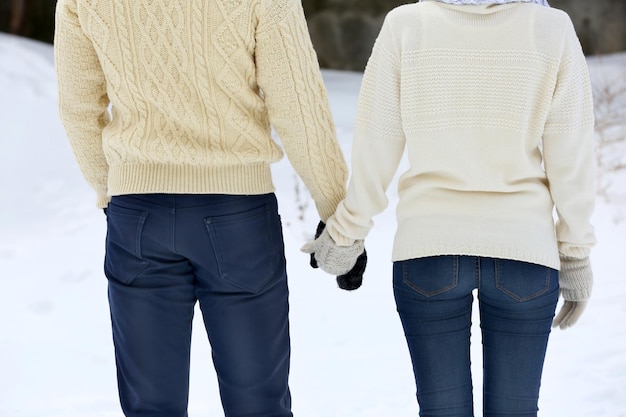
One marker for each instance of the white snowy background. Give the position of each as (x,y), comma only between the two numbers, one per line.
(349,354)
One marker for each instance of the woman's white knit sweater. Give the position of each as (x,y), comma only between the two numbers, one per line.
(493,105)
(193,88)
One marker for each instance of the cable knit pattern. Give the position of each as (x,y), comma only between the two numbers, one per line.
(192,90)
(283,37)
(492,104)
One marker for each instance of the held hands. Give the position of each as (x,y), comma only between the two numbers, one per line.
(576,281)
(346,262)
(334,259)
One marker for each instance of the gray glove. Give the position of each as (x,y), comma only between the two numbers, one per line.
(331,258)
(569,314)
(576,282)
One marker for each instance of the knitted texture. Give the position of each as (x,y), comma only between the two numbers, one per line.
(352,279)
(575,278)
(179,97)
(493,107)
(334,259)
(569,314)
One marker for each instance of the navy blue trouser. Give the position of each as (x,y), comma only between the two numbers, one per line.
(164,253)
(517,301)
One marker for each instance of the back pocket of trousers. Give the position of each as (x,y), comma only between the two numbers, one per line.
(431,276)
(123,260)
(246,247)
(522,281)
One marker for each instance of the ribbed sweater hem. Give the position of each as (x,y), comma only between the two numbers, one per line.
(530,240)
(518,254)
(190,179)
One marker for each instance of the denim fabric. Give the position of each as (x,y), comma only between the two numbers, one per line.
(517,301)
(164,253)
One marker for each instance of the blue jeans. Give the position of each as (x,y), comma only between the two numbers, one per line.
(164,253)
(517,301)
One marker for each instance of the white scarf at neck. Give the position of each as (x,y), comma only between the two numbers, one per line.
(478,2)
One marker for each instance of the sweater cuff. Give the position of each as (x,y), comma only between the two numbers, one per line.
(102,201)
(337,237)
(575,278)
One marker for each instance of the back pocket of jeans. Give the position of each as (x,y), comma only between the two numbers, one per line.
(522,281)
(246,247)
(123,260)
(432,275)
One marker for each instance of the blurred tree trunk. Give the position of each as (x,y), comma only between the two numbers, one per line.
(30,18)
(18,16)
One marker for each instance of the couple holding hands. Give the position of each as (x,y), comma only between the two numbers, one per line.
(169,107)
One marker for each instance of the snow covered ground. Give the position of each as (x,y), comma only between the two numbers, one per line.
(349,354)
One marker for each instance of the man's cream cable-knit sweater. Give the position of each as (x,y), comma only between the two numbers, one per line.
(179,97)
(493,105)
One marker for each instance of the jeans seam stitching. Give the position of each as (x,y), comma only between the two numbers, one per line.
(415,288)
(515,296)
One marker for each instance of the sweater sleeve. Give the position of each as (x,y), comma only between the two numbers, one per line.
(568,145)
(83,99)
(290,79)
(378,145)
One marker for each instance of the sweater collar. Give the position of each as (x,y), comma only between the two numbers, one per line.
(483,2)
